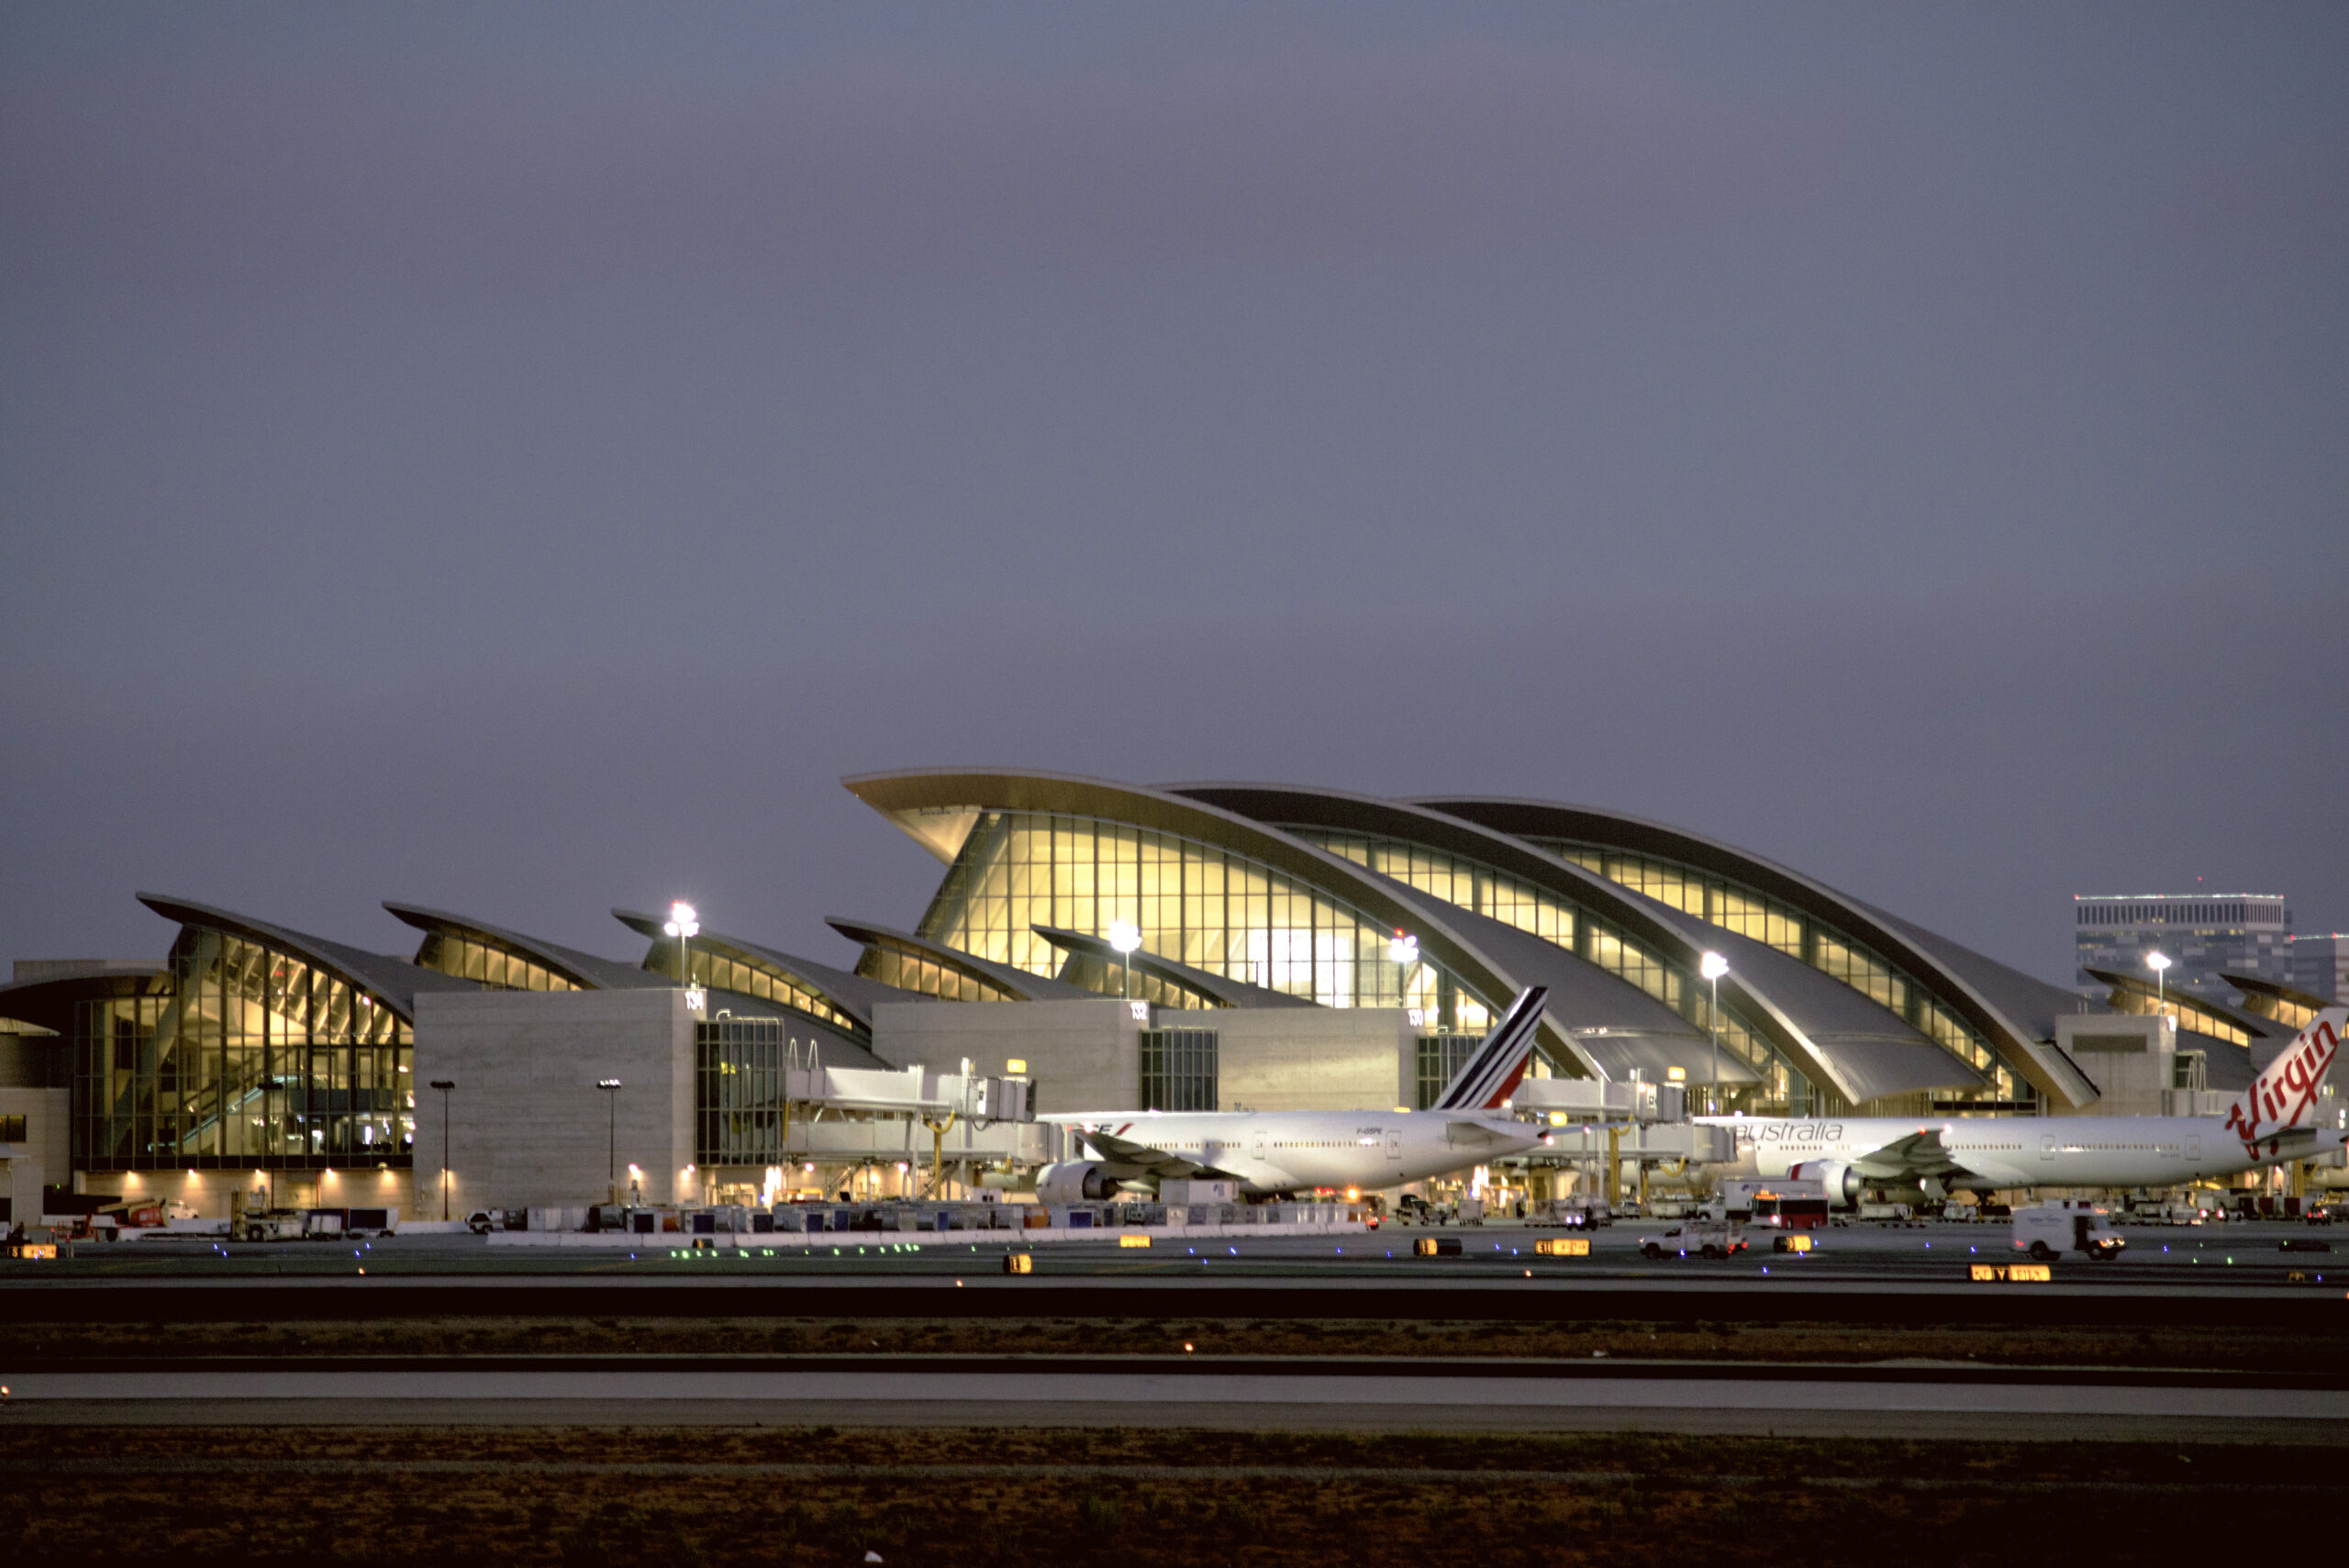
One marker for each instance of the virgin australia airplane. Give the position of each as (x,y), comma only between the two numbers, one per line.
(2271,1122)
(1280,1151)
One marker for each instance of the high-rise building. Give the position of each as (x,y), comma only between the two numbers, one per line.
(2201,934)
(2321,965)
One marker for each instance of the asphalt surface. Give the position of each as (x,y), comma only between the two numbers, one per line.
(2232,1275)
(2235,1273)
(2216,1257)
(1914,1402)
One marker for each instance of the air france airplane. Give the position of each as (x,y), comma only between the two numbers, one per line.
(1280,1151)
(2271,1122)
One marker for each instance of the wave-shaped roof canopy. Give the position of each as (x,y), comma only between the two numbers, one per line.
(393,983)
(2015,1013)
(1834,1036)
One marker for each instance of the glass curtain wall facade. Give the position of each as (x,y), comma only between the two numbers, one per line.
(738,1108)
(259,1061)
(2201,1019)
(1491,892)
(1195,903)
(1441,1058)
(467,958)
(1749,912)
(908,969)
(1109,978)
(738,973)
(2283,1009)
(1178,1069)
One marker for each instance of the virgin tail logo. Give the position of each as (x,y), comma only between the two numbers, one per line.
(2283,1095)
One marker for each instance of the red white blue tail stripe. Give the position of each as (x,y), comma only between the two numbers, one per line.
(1497,1064)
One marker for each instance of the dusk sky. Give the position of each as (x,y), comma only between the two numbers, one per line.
(518,459)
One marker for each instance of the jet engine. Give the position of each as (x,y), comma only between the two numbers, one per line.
(1840,1182)
(1076,1181)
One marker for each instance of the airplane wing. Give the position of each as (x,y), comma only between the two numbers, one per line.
(1149,1161)
(1921,1154)
(1464,1132)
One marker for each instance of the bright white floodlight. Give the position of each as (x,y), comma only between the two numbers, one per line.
(1403,949)
(684,924)
(2159,964)
(1125,936)
(2158,961)
(1712,966)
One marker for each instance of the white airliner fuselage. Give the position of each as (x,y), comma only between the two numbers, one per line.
(1994,1153)
(1280,1151)
(2276,1119)
(1287,1151)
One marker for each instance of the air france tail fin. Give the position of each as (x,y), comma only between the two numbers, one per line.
(1499,1060)
(2285,1095)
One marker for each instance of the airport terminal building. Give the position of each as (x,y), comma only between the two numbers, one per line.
(1297,949)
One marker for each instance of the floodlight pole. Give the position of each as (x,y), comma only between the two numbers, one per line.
(1713,1017)
(444,1085)
(684,924)
(1713,966)
(1403,950)
(1126,938)
(611,1087)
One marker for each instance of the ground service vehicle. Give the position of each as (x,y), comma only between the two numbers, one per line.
(2049,1230)
(1707,1238)
(1791,1211)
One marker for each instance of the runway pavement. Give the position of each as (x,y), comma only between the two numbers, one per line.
(2010,1405)
(2184,1258)
(2236,1274)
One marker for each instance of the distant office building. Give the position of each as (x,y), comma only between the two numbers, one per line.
(2202,936)
(2321,965)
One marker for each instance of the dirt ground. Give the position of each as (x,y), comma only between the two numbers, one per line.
(1145,1499)
(2230,1349)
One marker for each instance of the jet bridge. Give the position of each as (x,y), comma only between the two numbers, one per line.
(1597,1126)
(916,1114)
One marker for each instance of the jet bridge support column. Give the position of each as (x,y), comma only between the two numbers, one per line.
(1614,1169)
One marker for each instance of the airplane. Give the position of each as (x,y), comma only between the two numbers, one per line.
(1282,1151)
(2271,1122)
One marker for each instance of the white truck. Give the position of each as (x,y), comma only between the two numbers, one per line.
(2049,1230)
(1785,1203)
(1710,1238)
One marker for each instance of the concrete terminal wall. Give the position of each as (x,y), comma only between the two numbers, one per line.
(46,1153)
(527,1123)
(1320,1059)
(1086,1056)
(1082,1056)
(2131,1059)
